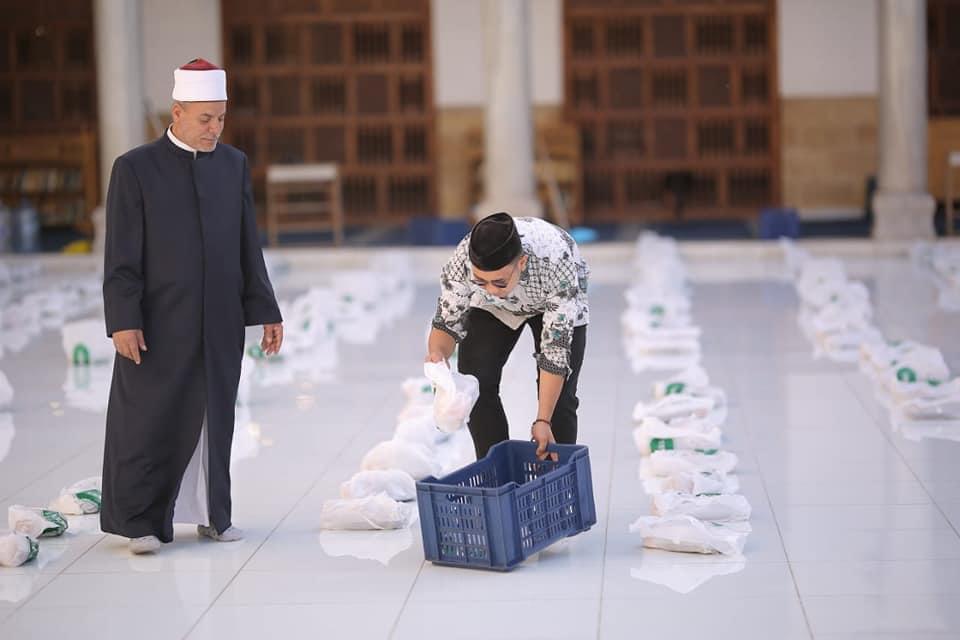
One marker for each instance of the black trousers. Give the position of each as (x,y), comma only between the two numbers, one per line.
(483,353)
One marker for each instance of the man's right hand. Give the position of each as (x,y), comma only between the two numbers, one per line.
(435,356)
(129,343)
(440,346)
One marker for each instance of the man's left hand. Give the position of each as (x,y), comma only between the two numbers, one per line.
(272,339)
(542,434)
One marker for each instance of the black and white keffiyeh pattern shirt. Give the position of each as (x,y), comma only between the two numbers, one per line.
(554,283)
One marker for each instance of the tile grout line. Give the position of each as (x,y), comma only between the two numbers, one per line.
(309,489)
(406,600)
(63,461)
(606,528)
(886,436)
(58,574)
(313,485)
(773,512)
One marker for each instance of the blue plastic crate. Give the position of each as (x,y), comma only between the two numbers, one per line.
(498,511)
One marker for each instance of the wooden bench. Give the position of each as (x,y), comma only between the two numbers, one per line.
(304,197)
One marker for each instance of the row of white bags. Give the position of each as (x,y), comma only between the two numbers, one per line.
(429,440)
(32,306)
(658,332)
(30,524)
(836,313)
(942,261)
(353,307)
(695,507)
(911,380)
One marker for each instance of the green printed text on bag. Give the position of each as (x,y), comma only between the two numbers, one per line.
(57,520)
(906,374)
(708,452)
(674,387)
(662,444)
(92,496)
(81,354)
(34,550)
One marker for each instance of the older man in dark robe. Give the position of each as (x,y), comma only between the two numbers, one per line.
(183,276)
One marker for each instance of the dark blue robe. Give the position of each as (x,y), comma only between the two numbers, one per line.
(183,263)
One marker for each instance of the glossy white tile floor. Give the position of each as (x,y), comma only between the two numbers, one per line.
(855,529)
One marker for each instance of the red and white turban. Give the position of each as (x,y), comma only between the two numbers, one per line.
(199,81)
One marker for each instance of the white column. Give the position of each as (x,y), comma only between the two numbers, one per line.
(902,207)
(119,89)
(508,126)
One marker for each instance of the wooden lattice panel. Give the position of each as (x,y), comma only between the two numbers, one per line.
(943,46)
(47,66)
(674,97)
(337,81)
(48,109)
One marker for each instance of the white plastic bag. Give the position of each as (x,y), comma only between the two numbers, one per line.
(36,523)
(654,322)
(655,435)
(844,346)
(668,463)
(719,508)
(418,391)
(940,402)
(88,388)
(879,358)
(85,342)
(697,483)
(358,296)
(455,397)
(80,498)
(311,320)
(7,432)
(420,430)
(643,361)
(363,514)
(817,274)
(664,305)
(396,484)
(455,453)
(17,549)
(900,387)
(689,535)
(828,292)
(642,345)
(678,405)
(6,391)
(398,454)
(794,256)
(414,411)
(689,380)
(919,363)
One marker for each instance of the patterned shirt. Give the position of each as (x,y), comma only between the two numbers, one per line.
(554,283)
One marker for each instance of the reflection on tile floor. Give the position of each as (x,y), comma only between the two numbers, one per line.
(855,526)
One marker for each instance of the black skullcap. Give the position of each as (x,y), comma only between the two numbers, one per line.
(494,242)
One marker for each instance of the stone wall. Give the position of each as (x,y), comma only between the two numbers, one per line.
(828,148)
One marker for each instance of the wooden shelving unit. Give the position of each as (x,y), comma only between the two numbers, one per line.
(48,109)
(57,173)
